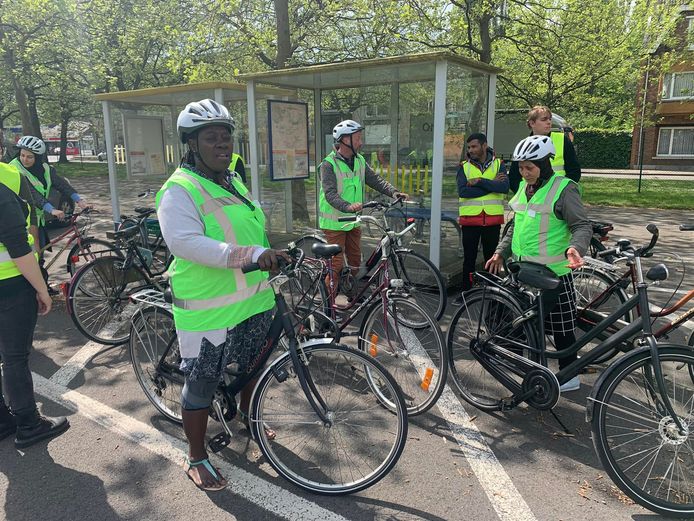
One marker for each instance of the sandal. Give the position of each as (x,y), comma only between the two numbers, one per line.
(269,433)
(208,466)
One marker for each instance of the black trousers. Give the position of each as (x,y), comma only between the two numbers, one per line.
(18,313)
(489,235)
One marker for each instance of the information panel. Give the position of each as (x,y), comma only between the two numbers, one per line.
(288,139)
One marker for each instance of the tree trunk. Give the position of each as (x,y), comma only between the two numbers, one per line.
(35,123)
(284,52)
(65,118)
(19,93)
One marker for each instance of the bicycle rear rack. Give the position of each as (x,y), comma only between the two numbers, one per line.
(151,297)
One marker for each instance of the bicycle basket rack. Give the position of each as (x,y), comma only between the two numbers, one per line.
(150,297)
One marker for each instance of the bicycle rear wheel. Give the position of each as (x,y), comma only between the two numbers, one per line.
(409,343)
(88,249)
(155,357)
(423,280)
(490,313)
(637,441)
(98,300)
(363,441)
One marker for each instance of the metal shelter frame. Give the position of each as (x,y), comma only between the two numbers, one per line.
(175,97)
(379,71)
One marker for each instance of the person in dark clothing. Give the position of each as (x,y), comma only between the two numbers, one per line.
(482,186)
(23,295)
(565,161)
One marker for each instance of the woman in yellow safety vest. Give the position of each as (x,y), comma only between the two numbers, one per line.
(23,296)
(42,177)
(222,316)
(551,228)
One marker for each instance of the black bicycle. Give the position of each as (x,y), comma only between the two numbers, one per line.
(345,435)
(641,407)
(98,299)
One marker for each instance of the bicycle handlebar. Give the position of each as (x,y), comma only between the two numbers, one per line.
(687,227)
(639,252)
(295,253)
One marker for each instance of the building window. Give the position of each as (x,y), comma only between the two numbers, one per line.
(676,141)
(690,32)
(678,85)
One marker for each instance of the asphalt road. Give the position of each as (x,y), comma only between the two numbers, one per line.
(121,460)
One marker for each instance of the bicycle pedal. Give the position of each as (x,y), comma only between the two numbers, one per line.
(219,442)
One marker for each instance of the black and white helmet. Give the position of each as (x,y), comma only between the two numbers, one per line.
(534,148)
(32,144)
(346,128)
(203,113)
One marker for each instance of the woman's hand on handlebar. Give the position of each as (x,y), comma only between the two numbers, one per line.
(58,213)
(268,260)
(494,264)
(574,258)
(83,204)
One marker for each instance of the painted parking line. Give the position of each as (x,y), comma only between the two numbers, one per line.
(79,360)
(262,493)
(508,503)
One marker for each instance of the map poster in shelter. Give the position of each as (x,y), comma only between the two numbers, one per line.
(288,139)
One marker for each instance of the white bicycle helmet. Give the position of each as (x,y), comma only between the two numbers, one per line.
(203,113)
(346,128)
(534,148)
(32,144)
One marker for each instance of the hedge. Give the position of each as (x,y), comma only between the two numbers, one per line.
(603,148)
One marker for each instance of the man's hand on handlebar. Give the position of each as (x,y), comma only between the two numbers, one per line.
(84,204)
(355,207)
(400,195)
(268,260)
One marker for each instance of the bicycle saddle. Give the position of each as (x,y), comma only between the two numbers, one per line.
(168,296)
(325,251)
(536,275)
(144,209)
(126,232)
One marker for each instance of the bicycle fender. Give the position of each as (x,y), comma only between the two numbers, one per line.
(625,357)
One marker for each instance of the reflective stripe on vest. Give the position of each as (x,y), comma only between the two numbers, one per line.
(558,161)
(44,191)
(350,187)
(538,235)
(234,159)
(205,297)
(491,203)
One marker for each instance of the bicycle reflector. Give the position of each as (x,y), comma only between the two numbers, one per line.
(64,288)
(426,381)
(410,220)
(373,350)
(75,259)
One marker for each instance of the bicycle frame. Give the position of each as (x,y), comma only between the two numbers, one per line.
(76,236)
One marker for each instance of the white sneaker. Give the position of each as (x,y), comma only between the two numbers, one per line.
(572,385)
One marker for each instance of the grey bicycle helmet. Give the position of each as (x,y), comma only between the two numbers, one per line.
(534,148)
(32,144)
(203,113)
(346,128)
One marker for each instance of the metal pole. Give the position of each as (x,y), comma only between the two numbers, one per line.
(491,109)
(437,161)
(112,178)
(253,140)
(643,115)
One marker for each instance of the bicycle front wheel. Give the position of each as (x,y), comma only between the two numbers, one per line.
(409,343)
(486,315)
(98,300)
(156,359)
(423,280)
(635,437)
(361,442)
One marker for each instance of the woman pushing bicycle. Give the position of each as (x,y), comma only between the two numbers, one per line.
(222,315)
(551,228)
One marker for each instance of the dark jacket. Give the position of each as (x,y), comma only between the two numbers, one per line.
(483,187)
(13,234)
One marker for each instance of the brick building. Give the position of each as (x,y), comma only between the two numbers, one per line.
(668,121)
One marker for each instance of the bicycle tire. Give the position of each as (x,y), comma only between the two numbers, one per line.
(98,300)
(305,242)
(320,458)
(636,441)
(409,344)
(589,283)
(152,334)
(87,252)
(477,386)
(423,280)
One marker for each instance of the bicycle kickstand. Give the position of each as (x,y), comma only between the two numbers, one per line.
(221,440)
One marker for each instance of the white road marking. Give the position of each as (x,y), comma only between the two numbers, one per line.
(79,360)
(501,492)
(252,488)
